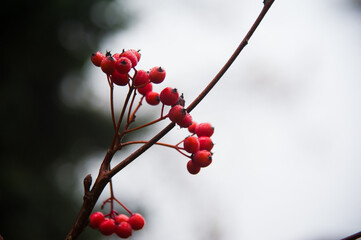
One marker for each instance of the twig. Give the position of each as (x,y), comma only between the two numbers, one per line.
(353,237)
(266,7)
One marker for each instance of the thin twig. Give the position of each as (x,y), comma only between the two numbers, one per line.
(144,142)
(131,106)
(353,237)
(266,7)
(146,125)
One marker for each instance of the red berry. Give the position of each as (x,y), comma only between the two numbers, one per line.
(121,218)
(108,65)
(205,143)
(131,56)
(192,127)
(119,78)
(204,129)
(177,113)
(193,168)
(107,227)
(136,221)
(123,65)
(116,56)
(123,230)
(96,219)
(186,122)
(157,75)
(191,144)
(97,58)
(202,158)
(141,78)
(136,53)
(169,96)
(147,88)
(152,98)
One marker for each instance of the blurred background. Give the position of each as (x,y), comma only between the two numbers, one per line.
(287,155)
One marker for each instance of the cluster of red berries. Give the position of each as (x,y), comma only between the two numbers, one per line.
(120,224)
(199,145)
(118,68)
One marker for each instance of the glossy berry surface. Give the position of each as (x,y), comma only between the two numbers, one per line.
(96,219)
(191,144)
(107,227)
(108,65)
(204,129)
(136,53)
(97,58)
(136,221)
(186,122)
(121,218)
(157,75)
(193,168)
(177,113)
(202,158)
(131,56)
(205,143)
(141,78)
(119,79)
(192,127)
(169,96)
(116,56)
(147,88)
(123,230)
(152,98)
(123,65)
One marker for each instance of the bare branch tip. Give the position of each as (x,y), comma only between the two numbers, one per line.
(267,1)
(87,183)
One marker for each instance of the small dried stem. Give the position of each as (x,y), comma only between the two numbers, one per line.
(146,125)
(144,142)
(131,106)
(111,86)
(132,116)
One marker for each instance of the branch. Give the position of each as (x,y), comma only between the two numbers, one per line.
(104,175)
(353,237)
(266,7)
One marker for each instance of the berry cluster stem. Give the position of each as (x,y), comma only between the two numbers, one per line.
(176,147)
(104,176)
(147,124)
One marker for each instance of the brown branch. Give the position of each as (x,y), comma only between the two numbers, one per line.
(90,198)
(267,5)
(104,175)
(353,237)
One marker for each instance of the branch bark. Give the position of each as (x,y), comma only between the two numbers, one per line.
(90,197)
(353,237)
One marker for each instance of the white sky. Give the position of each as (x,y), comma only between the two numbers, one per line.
(287,115)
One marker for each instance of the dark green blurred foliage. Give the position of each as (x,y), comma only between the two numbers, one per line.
(42,42)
